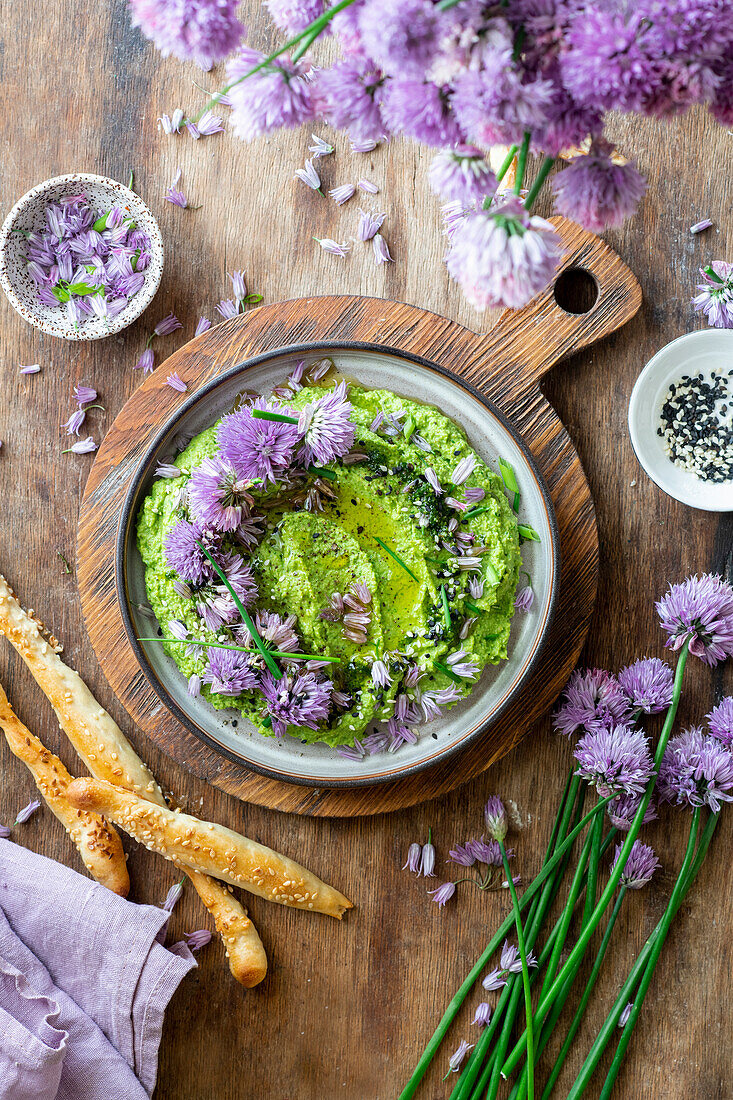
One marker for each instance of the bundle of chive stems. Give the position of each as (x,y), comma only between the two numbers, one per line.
(532,1001)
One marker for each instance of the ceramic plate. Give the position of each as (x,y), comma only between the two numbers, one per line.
(490,435)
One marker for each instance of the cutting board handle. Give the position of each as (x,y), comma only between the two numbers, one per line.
(532,339)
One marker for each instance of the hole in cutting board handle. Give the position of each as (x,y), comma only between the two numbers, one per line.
(576,291)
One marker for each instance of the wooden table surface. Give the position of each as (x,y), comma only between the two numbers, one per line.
(346,1008)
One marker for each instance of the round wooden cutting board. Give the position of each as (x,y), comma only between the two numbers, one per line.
(507,364)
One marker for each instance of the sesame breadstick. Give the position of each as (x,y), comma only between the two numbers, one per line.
(109,755)
(210,848)
(99,844)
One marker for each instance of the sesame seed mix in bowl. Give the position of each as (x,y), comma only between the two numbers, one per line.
(696,424)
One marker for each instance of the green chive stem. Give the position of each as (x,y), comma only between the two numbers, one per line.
(577,952)
(528,533)
(244,613)
(242,649)
(446,606)
(525,970)
(522,161)
(545,169)
(279,418)
(397,558)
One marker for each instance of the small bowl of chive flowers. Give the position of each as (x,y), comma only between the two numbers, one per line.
(81,256)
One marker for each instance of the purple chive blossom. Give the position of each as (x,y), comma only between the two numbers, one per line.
(202,325)
(525,599)
(84,395)
(198,939)
(334,247)
(146,362)
(185,556)
(456,1059)
(592,698)
(503,256)
(167,325)
(4,832)
(172,897)
(369,224)
(482,1014)
(227,308)
(495,818)
(494,980)
(413,862)
(293,16)
(401,37)
(432,479)
(208,124)
(82,447)
(461,174)
(615,760)
(75,421)
(175,382)
(296,700)
(462,667)
(269,99)
(443,894)
(319,148)
(308,175)
(487,851)
(346,95)
(204,31)
(463,470)
(720,721)
(700,610)
(239,286)
(34,368)
(217,497)
(462,855)
(648,684)
(640,866)
(325,428)
(622,811)
(699,227)
(171,124)
(596,192)
(257,448)
(624,1017)
(380,249)
(380,674)
(342,194)
(696,770)
(229,672)
(174,195)
(27,812)
(715,299)
(427,861)
(414,853)
(368,186)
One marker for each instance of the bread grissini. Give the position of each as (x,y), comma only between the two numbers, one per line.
(98,843)
(108,755)
(212,849)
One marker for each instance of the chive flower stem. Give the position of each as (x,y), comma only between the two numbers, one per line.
(525,970)
(244,613)
(397,558)
(279,418)
(243,649)
(611,1022)
(545,169)
(446,606)
(577,952)
(522,162)
(641,992)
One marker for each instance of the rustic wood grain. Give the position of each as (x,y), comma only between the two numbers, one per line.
(346,1009)
(506,364)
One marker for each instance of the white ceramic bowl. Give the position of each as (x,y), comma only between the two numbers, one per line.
(29,213)
(490,435)
(697,352)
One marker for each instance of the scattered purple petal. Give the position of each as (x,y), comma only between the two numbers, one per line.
(34,368)
(175,382)
(309,176)
(333,247)
(699,227)
(381,250)
(342,194)
(198,939)
(203,325)
(146,362)
(173,895)
(27,811)
(83,447)
(369,225)
(368,186)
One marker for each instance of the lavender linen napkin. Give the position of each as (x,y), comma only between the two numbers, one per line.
(84,984)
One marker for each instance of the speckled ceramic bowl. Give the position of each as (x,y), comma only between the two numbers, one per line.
(29,213)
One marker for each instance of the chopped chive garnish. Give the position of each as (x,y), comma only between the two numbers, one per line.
(473,607)
(243,649)
(527,532)
(267,722)
(254,299)
(447,672)
(245,615)
(64,562)
(446,606)
(409,427)
(131,180)
(397,558)
(510,480)
(280,418)
(321,471)
(477,511)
